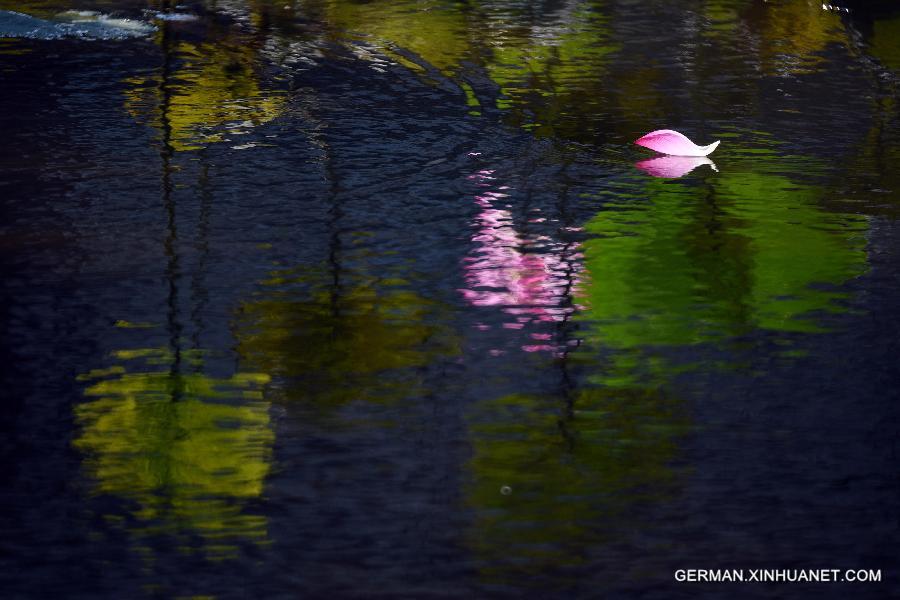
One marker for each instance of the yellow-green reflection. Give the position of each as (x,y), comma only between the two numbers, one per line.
(883,45)
(546,483)
(795,35)
(547,63)
(187,450)
(674,263)
(551,70)
(11,48)
(723,17)
(37,8)
(205,93)
(744,39)
(434,31)
(335,343)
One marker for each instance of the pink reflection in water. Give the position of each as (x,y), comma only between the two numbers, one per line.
(672,167)
(529,277)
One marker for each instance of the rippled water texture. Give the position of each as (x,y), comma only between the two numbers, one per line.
(333,299)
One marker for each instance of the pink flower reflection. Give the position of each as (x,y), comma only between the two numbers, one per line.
(529,277)
(672,167)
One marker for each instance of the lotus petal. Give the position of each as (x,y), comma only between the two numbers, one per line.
(673,166)
(673,143)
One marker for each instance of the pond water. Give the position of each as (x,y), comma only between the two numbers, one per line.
(322,298)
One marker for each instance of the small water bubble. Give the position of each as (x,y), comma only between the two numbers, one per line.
(506,490)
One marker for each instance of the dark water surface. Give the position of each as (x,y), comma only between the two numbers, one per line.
(332,299)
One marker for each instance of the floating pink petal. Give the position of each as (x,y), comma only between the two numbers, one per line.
(673,143)
(673,166)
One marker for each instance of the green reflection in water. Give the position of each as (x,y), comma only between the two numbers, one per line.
(883,44)
(203,93)
(38,8)
(361,339)
(188,451)
(547,483)
(433,30)
(676,263)
(792,34)
(723,17)
(795,35)
(552,70)
(548,62)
